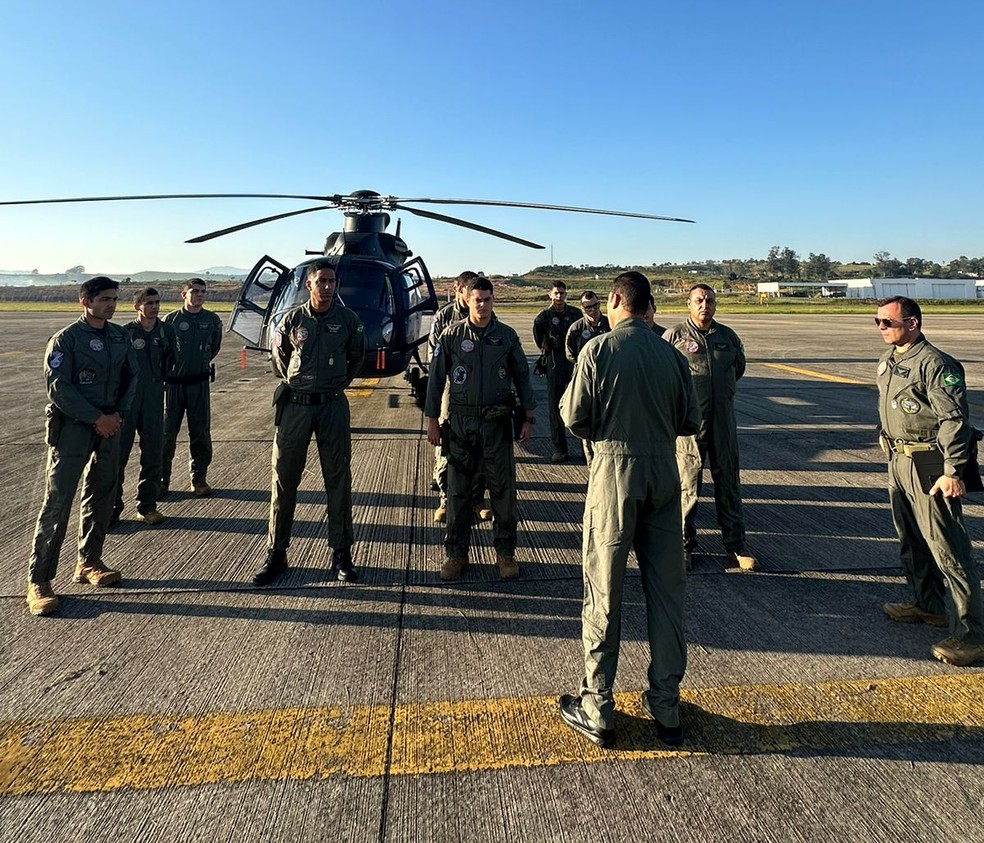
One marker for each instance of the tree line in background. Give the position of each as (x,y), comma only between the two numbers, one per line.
(783,263)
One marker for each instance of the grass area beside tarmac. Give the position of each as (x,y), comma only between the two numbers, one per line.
(514,299)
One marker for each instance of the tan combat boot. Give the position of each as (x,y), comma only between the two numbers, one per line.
(153,517)
(201,490)
(482,513)
(958,653)
(452,567)
(508,569)
(911,613)
(96,573)
(41,599)
(441,514)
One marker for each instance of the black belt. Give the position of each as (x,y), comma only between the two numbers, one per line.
(308,399)
(188,380)
(497,411)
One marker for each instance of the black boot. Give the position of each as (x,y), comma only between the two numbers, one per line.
(341,558)
(275,565)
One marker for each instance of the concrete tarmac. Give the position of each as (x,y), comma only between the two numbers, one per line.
(188,705)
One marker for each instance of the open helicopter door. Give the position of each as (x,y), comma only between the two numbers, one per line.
(258,299)
(419,300)
(420,303)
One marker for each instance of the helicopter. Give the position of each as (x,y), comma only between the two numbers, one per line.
(377,275)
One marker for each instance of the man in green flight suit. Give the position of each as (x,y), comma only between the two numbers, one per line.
(922,404)
(632,395)
(717,362)
(318,349)
(453,311)
(198,338)
(91,376)
(484,362)
(153,344)
(589,326)
(550,334)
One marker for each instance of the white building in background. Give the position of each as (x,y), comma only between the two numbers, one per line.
(882,288)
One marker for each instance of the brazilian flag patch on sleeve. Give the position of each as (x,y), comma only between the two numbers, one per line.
(952,379)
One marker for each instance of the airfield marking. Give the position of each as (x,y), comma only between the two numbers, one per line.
(364,389)
(812,374)
(143,752)
(978,409)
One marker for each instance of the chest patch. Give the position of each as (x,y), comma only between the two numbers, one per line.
(586,334)
(555,320)
(882,367)
(502,373)
(183,326)
(909,406)
(467,345)
(691,347)
(299,334)
(87,376)
(459,375)
(494,340)
(139,343)
(96,344)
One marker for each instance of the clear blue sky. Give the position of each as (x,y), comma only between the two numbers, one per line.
(837,127)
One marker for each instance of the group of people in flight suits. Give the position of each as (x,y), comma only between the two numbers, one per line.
(651,406)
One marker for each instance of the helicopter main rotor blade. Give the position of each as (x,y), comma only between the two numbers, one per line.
(213,234)
(502,204)
(465,224)
(334,198)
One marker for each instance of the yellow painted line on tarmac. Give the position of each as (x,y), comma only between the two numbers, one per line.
(364,388)
(145,752)
(810,373)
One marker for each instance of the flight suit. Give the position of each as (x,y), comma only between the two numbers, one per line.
(448,315)
(632,395)
(316,355)
(922,398)
(198,338)
(550,329)
(89,372)
(580,332)
(717,361)
(484,366)
(154,350)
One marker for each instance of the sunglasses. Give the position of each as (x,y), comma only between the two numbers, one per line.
(890,323)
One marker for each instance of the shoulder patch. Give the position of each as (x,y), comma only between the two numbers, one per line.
(55,359)
(952,379)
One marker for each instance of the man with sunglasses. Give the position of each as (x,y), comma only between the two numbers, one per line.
(922,405)
(592,324)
